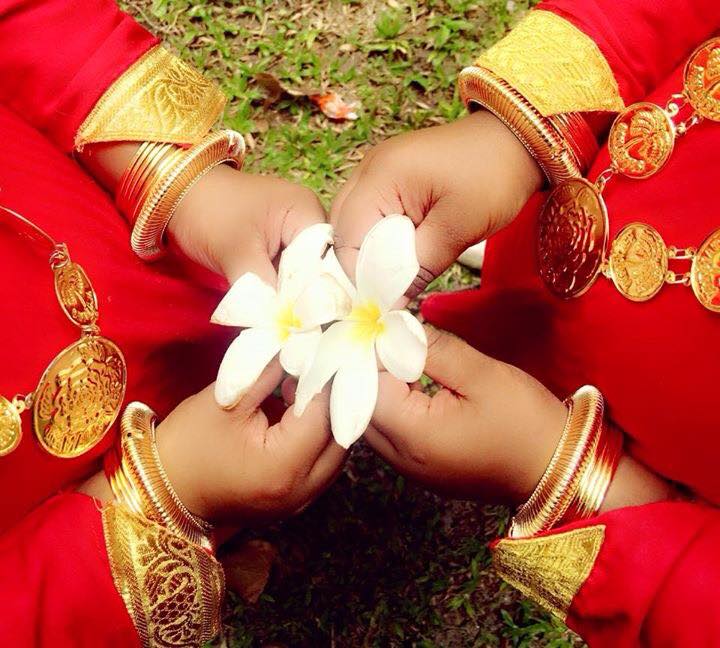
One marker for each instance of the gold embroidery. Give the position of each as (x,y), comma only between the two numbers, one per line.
(160,99)
(550,570)
(172,589)
(555,66)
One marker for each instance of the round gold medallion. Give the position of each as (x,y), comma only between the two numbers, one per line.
(638,261)
(10,427)
(702,80)
(572,238)
(705,273)
(79,396)
(641,140)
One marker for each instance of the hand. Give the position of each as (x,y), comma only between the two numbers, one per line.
(488,434)
(239,467)
(459,183)
(233,222)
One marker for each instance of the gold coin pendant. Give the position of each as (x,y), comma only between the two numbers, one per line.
(79,396)
(572,237)
(641,140)
(638,261)
(10,427)
(705,273)
(702,80)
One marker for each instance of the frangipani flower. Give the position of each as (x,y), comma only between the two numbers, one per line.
(285,321)
(386,266)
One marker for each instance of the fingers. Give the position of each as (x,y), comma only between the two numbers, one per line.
(261,389)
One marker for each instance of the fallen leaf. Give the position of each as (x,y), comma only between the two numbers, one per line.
(247,568)
(334,106)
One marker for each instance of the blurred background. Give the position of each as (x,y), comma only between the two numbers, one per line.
(314,84)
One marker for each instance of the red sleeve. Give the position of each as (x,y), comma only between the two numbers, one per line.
(57,58)
(655,579)
(56,587)
(642,40)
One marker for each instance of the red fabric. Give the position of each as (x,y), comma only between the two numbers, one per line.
(57,58)
(56,587)
(656,362)
(642,40)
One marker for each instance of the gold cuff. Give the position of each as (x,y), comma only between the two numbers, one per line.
(576,480)
(172,589)
(547,139)
(139,481)
(170,178)
(158,98)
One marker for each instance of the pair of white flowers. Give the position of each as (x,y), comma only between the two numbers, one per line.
(312,291)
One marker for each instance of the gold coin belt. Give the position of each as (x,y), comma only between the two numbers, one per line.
(80,392)
(573,249)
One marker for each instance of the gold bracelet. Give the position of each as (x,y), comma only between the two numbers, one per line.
(576,480)
(139,481)
(170,187)
(548,139)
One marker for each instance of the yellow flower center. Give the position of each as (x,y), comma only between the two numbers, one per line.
(287,321)
(367,321)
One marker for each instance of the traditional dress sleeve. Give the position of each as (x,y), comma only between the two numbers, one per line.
(637,576)
(83,71)
(73,573)
(559,76)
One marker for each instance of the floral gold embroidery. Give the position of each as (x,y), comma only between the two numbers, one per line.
(158,99)
(551,569)
(555,66)
(172,588)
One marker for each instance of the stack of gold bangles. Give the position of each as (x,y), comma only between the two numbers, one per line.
(159,176)
(139,481)
(577,478)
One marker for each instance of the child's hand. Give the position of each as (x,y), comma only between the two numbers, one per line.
(233,222)
(459,183)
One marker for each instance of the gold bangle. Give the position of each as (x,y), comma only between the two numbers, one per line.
(139,481)
(573,470)
(136,174)
(170,187)
(541,136)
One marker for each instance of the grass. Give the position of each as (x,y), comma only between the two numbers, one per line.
(376,561)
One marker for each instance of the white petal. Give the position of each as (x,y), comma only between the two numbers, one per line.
(402,346)
(301,259)
(244,361)
(336,346)
(387,263)
(353,397)
(323,300)
(249,302)
(299,349)
(332,266)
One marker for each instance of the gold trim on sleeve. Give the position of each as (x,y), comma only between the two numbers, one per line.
(550,570)
(172,588)
(159,98)
(557,67)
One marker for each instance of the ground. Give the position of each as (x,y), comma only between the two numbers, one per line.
(376,561)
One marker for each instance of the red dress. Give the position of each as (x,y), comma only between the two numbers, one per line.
(656,571)
(57,57)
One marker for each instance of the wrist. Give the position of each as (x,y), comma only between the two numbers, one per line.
(634,485)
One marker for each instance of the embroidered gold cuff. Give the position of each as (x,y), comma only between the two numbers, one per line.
(550,570)
(158,99)
(172,589)
(555,66)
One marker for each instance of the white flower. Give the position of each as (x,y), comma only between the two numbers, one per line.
(386,266)
(286,320)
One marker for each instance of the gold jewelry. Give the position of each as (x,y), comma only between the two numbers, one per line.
(170,184)
(573,241)
(576,480)
(562,145)
(80,392)
(139,481)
